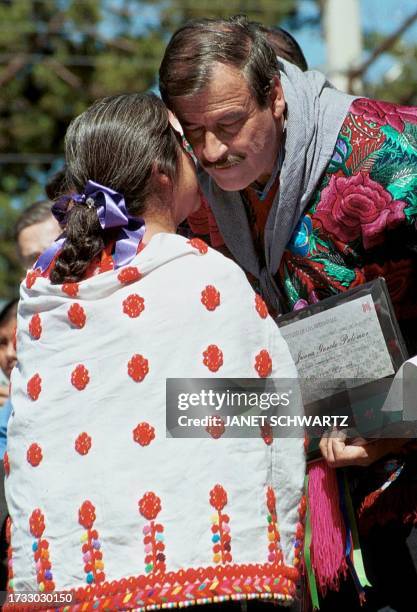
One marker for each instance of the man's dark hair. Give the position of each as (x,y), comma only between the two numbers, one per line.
(8,312)
(193,50)
(284,45)
(35,213)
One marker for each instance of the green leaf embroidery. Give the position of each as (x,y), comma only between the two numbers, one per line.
(403,185)
(411,210)
(343,275)
(401,140)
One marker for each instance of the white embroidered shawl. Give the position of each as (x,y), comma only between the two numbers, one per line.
(101,501)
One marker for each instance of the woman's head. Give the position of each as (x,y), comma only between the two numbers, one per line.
(127,144)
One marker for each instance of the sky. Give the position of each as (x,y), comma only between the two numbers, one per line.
(384,16)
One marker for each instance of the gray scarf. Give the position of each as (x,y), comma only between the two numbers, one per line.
(315,113)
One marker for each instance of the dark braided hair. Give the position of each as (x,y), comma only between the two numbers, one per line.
(118,142)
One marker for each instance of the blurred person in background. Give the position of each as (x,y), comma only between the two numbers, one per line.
(7,353)
(8,320)
(35,230)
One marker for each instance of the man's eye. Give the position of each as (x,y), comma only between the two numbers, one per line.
(231,126)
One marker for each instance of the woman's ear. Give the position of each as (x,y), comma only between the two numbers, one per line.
(161,182)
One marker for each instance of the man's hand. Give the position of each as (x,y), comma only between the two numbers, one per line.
(4,394)
(357,452)
(339,453)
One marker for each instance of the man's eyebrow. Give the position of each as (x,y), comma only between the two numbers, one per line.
(237,114)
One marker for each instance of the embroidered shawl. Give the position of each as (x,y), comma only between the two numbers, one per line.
(102,503)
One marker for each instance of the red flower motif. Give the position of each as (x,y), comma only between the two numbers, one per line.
(261,306)
(150,506)
(129,275)
(31,277)
(217,429)
(37,523)
(133,305)
(271,501)
(213,358)
(263,364)
(83,443)
(267,433)
(87,515)
(356,206)
(210,297)
(302,508)
(218,497)
(106,263)
(199,244)
(143,434)
(138,368)
(80,377)
(77,316)
(70,289)
(34,387)
(34,454)
(35,327)
(384,113)
(6,463)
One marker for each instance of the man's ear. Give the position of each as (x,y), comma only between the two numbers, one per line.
(276,96)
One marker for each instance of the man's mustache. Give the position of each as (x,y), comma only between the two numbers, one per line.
(225,162)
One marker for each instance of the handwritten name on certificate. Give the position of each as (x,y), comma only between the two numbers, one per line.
(345,341)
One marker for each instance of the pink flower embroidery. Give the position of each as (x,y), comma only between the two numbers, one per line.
(384,113)
(356,205)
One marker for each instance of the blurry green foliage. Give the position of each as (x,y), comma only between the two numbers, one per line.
(56,57)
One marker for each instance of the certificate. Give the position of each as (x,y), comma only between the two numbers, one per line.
(345,341)
(347,349)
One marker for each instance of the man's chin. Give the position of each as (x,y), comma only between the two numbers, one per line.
(229,181)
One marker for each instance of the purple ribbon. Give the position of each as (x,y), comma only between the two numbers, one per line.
(111,212)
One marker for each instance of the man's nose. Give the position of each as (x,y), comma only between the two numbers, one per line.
(214,149)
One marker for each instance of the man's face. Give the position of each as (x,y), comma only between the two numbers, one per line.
(7,351)
(235,140)
(35,239)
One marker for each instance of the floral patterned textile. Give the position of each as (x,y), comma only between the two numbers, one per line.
(104,503)
(361,220)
